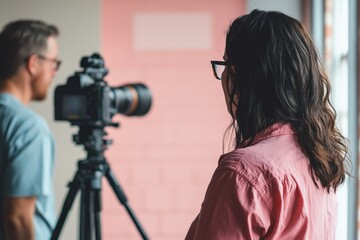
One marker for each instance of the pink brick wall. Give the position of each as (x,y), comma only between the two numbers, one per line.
(165,159)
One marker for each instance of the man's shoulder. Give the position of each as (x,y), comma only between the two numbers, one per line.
(17,117)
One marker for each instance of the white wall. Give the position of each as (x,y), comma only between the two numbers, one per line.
(79,24)
(289,7)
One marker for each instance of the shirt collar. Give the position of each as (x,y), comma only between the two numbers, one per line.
(274,130)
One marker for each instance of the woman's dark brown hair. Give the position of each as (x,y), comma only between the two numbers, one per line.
(277,77)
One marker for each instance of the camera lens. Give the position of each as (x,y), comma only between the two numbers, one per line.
(131,99)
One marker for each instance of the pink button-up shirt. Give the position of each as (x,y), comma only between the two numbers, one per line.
(265,191)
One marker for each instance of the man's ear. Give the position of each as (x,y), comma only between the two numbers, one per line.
(32,64)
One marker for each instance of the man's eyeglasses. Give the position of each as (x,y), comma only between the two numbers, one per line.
(218,68)
(56,62)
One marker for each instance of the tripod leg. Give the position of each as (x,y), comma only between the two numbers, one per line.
(97,210)
(74,187)
(85,215)
(123,200)
(81,216)
(91,207)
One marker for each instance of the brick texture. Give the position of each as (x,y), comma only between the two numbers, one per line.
(164,160)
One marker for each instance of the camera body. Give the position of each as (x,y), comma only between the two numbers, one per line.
(87,99)
(83,100)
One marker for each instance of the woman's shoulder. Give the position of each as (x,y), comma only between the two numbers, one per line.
(257,170)
(245,161)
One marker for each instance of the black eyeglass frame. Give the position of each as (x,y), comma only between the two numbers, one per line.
(56,61)
(214,63)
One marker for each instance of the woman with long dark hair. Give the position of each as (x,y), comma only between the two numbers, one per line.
(289,158)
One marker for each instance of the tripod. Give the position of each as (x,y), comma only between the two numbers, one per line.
(88,180)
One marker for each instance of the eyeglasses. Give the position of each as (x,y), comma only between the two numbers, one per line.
(218,68)
(57,62)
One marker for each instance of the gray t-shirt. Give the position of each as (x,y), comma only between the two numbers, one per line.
(27,162)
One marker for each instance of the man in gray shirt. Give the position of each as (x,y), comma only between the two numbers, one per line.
(28,63)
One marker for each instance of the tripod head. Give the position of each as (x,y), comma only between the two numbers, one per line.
(92,137)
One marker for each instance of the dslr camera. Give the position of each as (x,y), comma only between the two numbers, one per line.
(87,99)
